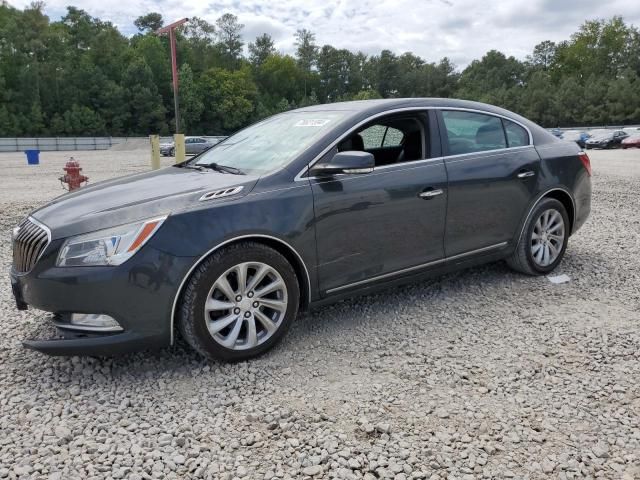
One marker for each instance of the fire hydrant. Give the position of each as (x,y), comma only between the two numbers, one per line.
(73,178)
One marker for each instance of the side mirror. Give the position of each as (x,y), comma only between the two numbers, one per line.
(351,162)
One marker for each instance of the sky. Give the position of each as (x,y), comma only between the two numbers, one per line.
(462,30)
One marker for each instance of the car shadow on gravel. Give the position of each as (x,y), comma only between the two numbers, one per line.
(331,322)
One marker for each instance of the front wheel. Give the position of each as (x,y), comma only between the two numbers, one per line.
(544,239)
(239,302)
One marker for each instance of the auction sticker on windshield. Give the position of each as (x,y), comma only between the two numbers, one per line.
(317,122)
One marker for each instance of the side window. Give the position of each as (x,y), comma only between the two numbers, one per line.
(393,138)
(373,136)
(377,136)
(469,132)
(516,135)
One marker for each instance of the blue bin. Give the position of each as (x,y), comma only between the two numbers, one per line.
(33,157)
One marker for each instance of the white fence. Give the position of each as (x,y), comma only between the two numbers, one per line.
(20,144)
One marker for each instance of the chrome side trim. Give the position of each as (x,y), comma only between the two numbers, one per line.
(217,247)
(299,176)
(542,195)
(416,267)
(48,232)
(479,250)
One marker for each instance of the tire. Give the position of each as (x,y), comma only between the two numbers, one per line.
(172,152)
(256,328)
(534,235)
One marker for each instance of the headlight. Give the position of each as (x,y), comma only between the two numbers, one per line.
(112,246)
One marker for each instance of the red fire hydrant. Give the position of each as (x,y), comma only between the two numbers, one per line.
(73,178)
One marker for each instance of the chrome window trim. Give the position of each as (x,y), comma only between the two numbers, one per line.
(484,153)
(415,267)
(343,177)
(48,232)
(217,247)
(300,176)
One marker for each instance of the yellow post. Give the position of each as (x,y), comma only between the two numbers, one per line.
(155,151)
(178,141)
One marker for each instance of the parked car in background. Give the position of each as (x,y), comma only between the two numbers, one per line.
(556,132)
(577,136)
(607,139)
(192,146)
(632,141)
(299,210)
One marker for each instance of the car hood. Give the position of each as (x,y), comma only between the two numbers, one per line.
(135,197)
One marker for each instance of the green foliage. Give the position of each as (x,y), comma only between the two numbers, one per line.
(149,23)
(260,50)
(81,76)
(231,96)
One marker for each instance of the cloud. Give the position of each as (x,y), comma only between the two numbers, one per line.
(459,29)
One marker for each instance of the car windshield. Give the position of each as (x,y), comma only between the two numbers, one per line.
(271,143)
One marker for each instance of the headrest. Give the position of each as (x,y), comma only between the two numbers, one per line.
(490,135)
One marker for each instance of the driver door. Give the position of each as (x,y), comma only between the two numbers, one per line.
(386,223)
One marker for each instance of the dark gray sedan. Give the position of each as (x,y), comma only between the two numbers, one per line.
(301,209)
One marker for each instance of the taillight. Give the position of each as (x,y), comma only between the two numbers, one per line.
(584,158)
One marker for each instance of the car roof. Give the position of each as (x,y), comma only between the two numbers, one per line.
(365,108)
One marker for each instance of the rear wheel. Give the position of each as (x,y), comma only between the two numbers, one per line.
(239,303)
(544,239)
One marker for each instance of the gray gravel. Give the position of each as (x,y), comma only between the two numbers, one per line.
(480,374)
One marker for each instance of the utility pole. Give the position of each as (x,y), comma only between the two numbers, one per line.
(170,29)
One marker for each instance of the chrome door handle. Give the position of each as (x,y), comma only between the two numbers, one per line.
(527,174)
(431,193)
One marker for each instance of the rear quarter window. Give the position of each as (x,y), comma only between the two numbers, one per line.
(516,135)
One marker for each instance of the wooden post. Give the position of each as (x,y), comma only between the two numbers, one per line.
(178,141)
(155,151)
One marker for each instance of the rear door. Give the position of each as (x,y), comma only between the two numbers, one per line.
(493,176)
(377,225)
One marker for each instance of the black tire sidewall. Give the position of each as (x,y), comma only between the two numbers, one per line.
(546,204)
(223,261)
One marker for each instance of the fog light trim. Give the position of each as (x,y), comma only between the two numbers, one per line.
(90,322)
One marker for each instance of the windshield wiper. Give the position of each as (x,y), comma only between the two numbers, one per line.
(221,168)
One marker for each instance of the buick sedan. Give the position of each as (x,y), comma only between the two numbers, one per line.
(301,209)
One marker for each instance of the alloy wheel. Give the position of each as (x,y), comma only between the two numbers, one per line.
(548,237)
(246,305)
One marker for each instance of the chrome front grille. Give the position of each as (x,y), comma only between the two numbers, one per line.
(28,244)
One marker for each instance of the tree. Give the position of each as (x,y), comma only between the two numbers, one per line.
(149,23)
(229,33)
(543,55)
(230,96)
(306,49)
(191,105)
(261,49)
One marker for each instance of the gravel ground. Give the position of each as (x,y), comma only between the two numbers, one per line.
(480,374)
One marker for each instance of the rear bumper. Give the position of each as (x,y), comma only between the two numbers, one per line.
(138,294)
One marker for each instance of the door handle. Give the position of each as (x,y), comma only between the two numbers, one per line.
(527,174)
(428,194)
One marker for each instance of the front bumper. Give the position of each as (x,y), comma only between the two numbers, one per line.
(139,294)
